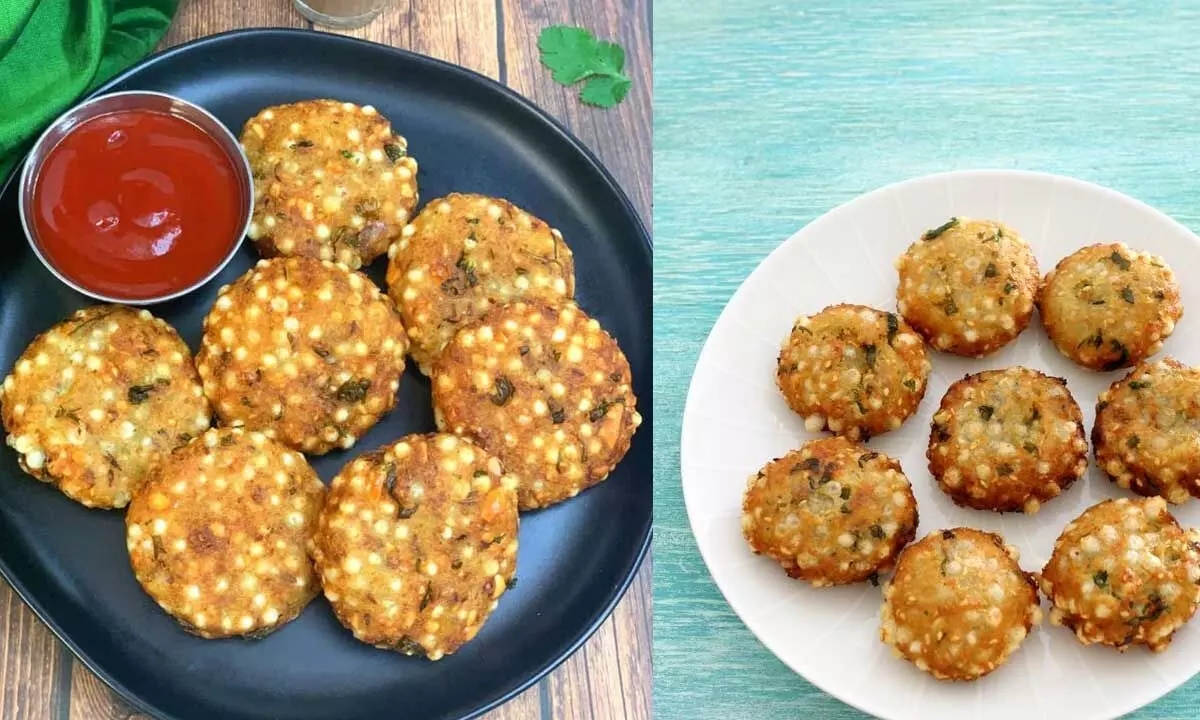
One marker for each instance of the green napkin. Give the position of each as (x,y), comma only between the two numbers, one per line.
(53,51)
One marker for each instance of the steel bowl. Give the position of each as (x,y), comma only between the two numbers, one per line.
(117,102)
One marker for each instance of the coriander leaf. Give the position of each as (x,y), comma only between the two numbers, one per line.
(609,59)
(570,52)
(605,92)
(573,54)
(937,231)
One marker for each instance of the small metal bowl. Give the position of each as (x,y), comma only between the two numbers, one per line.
(122,101)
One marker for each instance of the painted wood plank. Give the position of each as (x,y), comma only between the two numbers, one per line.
(622,142)
(632,638)
(197,18)
(526,706)
(33,665)
(565,692)
(769,113)
(459,31)
(91,699)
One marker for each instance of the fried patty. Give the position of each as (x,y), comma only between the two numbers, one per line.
(332,181)
(305,350)
(96,401)
(1124,573)
(968,286)
(219,534)
(959,604)
(831,513)
(853,370)
(417,543)
(1007,440)
(545,389)
(1109,307)
(1147,431)
(462,254)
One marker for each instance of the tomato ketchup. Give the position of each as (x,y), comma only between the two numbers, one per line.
(137,204)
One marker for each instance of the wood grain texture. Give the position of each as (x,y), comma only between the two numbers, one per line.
(768,114)
(609,678)
(91,699)
(606,132)
(197,18)
(34,667)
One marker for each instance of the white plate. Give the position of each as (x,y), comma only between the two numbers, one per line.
(736,420)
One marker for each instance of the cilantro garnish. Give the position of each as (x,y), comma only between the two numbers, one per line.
(575,55)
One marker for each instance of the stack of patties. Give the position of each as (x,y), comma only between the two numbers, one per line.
(485,290)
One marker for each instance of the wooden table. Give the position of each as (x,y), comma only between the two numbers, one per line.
(769,113)
(609,677)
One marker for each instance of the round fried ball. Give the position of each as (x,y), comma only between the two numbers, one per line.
(831,513)
(1109,307)
(968,286)
(545,389)
(417,543)
(332,181)
(99,399)
(958,604)
(1007,440)
(462,254)
(853,370)
(1147,431)
(307,351)
(219,534)
(1124,573)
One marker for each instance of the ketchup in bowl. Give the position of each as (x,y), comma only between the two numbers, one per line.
(137,204)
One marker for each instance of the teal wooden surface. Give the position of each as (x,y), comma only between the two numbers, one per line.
(770,112)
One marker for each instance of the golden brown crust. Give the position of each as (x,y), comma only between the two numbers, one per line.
(417,543)
(853,370)
(331,181)
(1123,573)
(968,286)
(219,535)
(305,350)
(545,389)
(99,399)
(1109,307)
(958,604)
(464,253)
(1007,440)
(1146,435)
(831,513)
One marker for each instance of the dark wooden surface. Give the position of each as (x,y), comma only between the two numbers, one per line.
(609,678)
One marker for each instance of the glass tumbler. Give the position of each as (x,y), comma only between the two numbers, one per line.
(344,14)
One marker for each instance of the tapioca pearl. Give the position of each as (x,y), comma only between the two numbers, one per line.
(560,286)
(35,459)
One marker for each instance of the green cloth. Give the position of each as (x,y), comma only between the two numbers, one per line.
(53,51)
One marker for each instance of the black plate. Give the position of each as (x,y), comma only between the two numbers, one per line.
(576,559)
